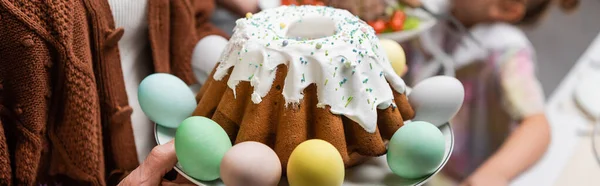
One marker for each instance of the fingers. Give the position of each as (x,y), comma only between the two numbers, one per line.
(161,159)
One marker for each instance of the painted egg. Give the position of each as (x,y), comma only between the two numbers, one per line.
(416,150)
(395,54)
(166,99)
(250,163)
(315,162)
(436,99)
(200,144)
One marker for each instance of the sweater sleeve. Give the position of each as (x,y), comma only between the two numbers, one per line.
(25,68)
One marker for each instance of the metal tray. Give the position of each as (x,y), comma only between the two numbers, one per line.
(375,171)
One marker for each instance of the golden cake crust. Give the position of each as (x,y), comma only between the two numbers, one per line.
(284,127)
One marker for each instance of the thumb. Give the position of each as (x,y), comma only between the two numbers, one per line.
(161,159)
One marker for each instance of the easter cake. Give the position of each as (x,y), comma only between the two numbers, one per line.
(295,73)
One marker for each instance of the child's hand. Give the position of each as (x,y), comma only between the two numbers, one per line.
(485,178)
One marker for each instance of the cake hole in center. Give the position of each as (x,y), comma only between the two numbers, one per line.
(311,28)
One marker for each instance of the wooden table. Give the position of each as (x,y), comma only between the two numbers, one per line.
(569,159)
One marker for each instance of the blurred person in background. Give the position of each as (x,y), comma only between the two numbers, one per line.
(501,129)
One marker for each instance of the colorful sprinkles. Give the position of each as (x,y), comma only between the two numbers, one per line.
(343,82)
(348,102)
(339,56)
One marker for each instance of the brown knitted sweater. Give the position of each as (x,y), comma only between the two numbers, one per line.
(64,114)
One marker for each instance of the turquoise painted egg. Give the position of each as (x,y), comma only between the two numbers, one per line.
(416,150)
(166,99)
(200,144)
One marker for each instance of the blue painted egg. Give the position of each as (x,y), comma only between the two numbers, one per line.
(416,150)
(166,99)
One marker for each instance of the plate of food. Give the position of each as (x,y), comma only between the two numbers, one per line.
(396,22)
(403,23)
(291,104)
(373,171)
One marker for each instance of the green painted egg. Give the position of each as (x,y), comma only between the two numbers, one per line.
(200,144)
(416,150)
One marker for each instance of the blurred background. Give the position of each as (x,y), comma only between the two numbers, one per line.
(557,51)
(561,38)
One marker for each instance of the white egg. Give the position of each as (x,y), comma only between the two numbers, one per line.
(437,99)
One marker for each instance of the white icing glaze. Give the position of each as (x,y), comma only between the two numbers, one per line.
(349,67)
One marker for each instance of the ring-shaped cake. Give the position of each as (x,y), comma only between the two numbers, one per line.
(295,73)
